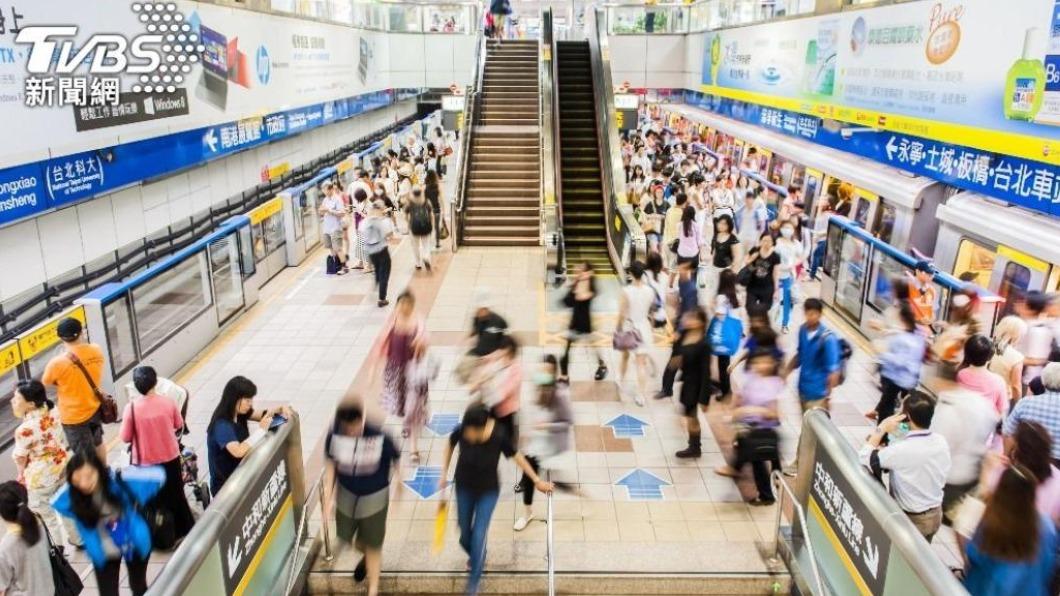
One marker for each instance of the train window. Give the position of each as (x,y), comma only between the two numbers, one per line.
(885,225)
(861,214)
(975,263)
(886,270)
(1015,281)
(831,258)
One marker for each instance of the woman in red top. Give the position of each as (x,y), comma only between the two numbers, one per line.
(150,424)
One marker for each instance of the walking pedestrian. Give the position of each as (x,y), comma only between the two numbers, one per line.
(579,299)
(790,250)
(900,364)
(693,359)
(479,441)
(817,358)
(359,456)
(761,274)
(404,336)
(376,231)
(636,305)
(105,505)
(422,223)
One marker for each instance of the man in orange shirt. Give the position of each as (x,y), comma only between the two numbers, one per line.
(79,408)
(922,295)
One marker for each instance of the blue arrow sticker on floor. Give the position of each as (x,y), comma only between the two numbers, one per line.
(443,424)
(643,485)
(627,426)
(425,481)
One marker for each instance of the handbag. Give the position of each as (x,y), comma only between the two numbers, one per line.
(160,521)
(626,338)
(66,580)
(757,444)
(744,276)
(443,232)
(108,408)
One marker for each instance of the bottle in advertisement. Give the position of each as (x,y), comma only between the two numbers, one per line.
(1050,108)
(827,47)
(1025,82)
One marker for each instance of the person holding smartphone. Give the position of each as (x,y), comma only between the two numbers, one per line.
(228,437)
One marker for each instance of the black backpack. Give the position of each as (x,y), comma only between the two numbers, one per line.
(419,219)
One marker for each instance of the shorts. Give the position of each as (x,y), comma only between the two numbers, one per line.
(809,403)
(369,531)
(692,398)
(334,240)
(85,436)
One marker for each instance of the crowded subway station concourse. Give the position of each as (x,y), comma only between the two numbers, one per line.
(530,297)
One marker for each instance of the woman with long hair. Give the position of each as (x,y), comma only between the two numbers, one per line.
(899,364)
(724,339)
(579,299)
(25,569)
(105,505)
(40,455)
(635,309)
(692,357)
(432,190)
(228,438)
(404,338)
(689,238)
(1008,360)
(1013,552)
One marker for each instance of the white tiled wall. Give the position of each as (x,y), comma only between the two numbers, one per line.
(35,250)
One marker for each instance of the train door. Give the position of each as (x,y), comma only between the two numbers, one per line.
(864,211)
(1014,274)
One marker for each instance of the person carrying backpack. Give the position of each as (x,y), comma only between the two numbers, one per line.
(375,230)
(819,359)
(421,224)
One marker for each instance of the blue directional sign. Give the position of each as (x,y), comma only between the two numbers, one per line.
(443,424)
(627,426)
(643,485)
(425,481)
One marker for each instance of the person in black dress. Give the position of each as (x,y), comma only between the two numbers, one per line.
(761,277)
(580,300)
(692,357)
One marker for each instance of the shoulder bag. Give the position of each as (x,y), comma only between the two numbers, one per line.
(159,520)
(66,580)
(108,408)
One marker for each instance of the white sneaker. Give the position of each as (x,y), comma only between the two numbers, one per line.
(522,522)
(637,399)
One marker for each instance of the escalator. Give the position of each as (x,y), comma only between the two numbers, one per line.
(581,188)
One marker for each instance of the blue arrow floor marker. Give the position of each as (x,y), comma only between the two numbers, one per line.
(425,481)
(443,424)
(625,426)
(642,485)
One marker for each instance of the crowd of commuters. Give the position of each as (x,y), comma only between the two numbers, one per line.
(396,193)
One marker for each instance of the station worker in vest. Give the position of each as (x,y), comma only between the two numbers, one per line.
(918,461)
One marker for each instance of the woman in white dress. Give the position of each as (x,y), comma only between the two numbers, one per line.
(635,310)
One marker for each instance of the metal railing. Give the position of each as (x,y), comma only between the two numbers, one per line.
(786,494)
(550,553)
(467,131)
(551,169)
(625,239)
(704,15)
(303,524)
(457,17)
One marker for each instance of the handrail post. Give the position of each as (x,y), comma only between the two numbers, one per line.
(778,481)
(325,530)
(550,553)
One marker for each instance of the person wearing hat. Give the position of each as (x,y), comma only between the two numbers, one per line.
(74,373)
(375,230)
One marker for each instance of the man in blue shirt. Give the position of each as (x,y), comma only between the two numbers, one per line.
(358,457)
(817,359)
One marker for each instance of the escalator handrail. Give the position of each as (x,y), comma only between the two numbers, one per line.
(612,174)
(557,157)
(471,95)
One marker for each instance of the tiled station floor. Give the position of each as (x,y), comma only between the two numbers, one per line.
(307,343)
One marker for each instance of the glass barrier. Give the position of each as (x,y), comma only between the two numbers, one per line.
(307,203)
(163,305)
(257,235)
(274,236)
(704,15)
(120,341)
(246,251)
(850,281)
(885,269)
(224,271)
(296,216)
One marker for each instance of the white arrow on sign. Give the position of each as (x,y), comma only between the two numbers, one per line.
(891,147)
(210,139)
(871,557)
(234,555)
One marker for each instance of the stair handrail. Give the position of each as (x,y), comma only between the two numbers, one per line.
(471,95)
(625,239)
(550,128)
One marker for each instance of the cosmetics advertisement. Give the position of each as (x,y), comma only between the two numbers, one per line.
(934,69)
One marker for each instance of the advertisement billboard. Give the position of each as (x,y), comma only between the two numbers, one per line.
(975,73)
(127,71)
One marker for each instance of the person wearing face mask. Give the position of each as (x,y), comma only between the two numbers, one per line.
(550,436)
(790,251)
